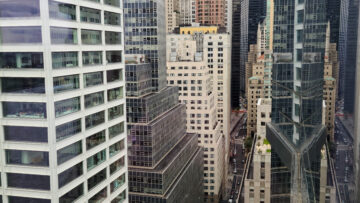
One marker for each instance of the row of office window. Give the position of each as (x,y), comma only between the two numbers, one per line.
(59,35)
(57,10)
(34,60)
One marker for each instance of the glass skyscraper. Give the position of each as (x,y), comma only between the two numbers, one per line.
(163,158)
(296,132)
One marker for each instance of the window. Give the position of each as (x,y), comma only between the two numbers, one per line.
(112,3)
(112,37)
(64,60)
(26,181)
(299,34)
(298,54)
(114,94)
(23,85)
(298,73)
(297,109)
(94,140)
(116,111)
(117,165)
(24,110)
(67,106)
(20,35)
(116,130)
(117,183)
(73,194)
(96,179)
(90,37)
(111,18)
(96,159)
(116,148)
(21,60)
(61,35)
(300,16)
(19,8)
(25,134)
(92,58)
(16,199)
(113,57)
(94,99)
(62,11)
(93,79)
(69,152)
(94,119)
(99,197)
(120,198)
(66,83)
(90,15)
(68,129)
(114,75)
(29,158)
(70,174)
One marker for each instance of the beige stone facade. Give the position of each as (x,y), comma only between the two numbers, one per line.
(172,15)
(200,65)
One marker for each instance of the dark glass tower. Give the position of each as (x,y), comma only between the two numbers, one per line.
(296,132)
(235,54)
(163,158)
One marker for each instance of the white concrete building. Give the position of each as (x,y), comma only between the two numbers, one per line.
(62,119)
(172,15)
(207,55)
(187,12)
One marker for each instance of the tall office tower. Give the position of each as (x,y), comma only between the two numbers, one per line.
(228,15)
(187,69)
(333,16)
(163,158)
(235,54)
(296,132)
(62,98)
(357,120)
(187,12)
(213,52)
(348,48)
(145,33)
(251,14)
(210,13)
(172,15)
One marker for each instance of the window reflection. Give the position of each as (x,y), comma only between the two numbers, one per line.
(27,181)
(24,110)
(116,111)
(61,35)
(66,83)
(70,174)
(14,199)
(112,37)
(67,106)
(117,165)
(63,11)
(96,159)
(94,119)
(25,134)
(20,35)
(112,2)
(90,15)
(73,194)
(117,183)
(111,18)
(99,197)
(120,198)
(69,152)
(23,85)
(96,179)
(92,79)
(31,158)
(64,59)
(21,60)
(19,8)
(90,36)
(116,148)
(94,99)
(113,57)
(94,140)
(116,93)
(68,129)
(114,75)
(116,130)
(92,58)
